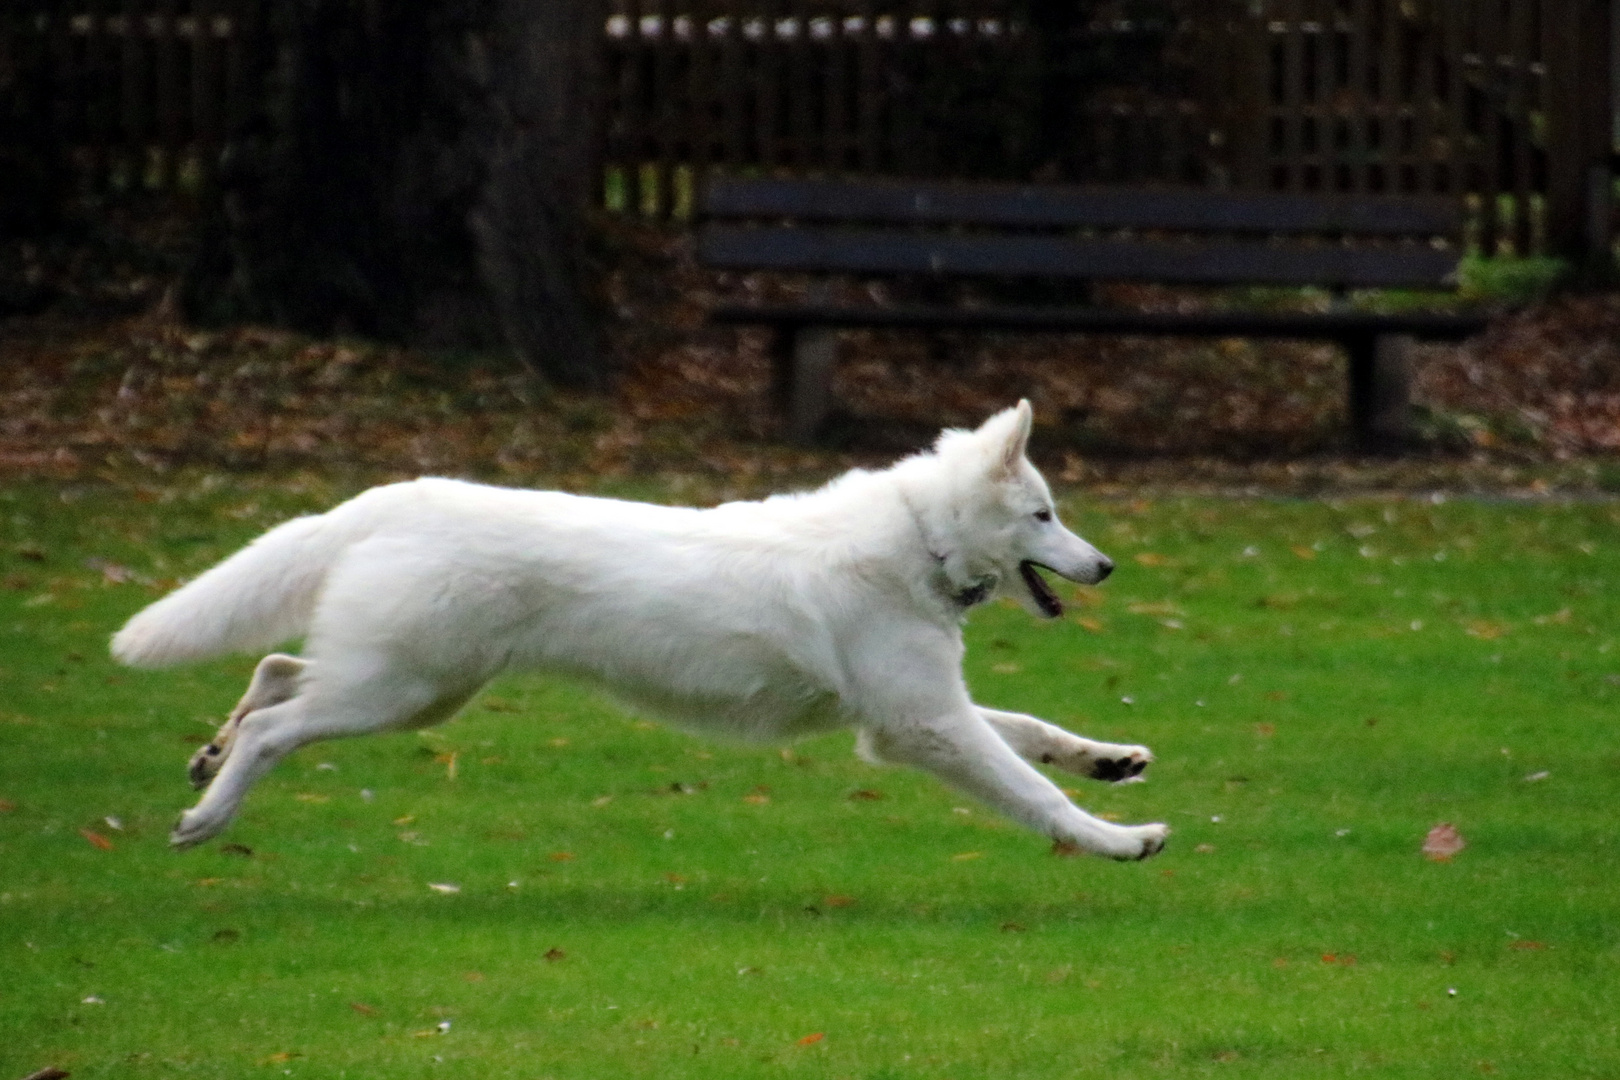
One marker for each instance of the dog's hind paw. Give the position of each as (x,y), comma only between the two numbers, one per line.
(205,764)
(193,829)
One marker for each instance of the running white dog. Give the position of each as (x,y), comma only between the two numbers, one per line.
(766,620)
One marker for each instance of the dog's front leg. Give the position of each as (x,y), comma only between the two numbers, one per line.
(963,750)
(1047,744)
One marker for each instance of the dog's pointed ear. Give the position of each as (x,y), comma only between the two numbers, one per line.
(1016,439)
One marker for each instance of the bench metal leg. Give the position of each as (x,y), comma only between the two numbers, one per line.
(803,358)
(1380,392)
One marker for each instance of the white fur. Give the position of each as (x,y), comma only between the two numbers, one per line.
(765,620)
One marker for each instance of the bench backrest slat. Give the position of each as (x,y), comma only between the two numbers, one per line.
(744,247)
(1054,206)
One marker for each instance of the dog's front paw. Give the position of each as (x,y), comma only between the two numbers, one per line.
(1120,763)
(1146,841)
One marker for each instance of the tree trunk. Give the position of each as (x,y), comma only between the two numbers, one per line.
(418,172)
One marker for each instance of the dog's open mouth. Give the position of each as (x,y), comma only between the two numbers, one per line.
(1045,598)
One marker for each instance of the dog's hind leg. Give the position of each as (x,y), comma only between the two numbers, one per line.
(1047,744)
(967,753)
(275,680)
(383,698)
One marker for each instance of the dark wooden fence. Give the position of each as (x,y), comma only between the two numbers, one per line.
(966,88)
(1503,103)
(126,95)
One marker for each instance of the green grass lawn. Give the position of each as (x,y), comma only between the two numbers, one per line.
(1322,683)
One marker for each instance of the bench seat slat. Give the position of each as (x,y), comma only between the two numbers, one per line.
(859,251)
(1318,326)
(1053,206)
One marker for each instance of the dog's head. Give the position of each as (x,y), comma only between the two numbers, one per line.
(1002,526)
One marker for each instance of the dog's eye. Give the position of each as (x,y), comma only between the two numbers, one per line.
(1043,515)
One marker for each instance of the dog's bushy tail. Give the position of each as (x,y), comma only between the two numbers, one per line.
(258,598)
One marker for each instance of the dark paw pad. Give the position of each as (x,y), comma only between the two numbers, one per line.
(204,764)
(1116,769)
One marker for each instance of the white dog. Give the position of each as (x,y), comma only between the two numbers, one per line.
(766,620)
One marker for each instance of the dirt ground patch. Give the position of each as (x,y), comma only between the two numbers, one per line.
(105,378)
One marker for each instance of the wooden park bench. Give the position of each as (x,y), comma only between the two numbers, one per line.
(941,230)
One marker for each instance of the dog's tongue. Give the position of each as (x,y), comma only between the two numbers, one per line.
(1045,598)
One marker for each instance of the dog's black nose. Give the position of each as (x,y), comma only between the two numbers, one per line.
(1105,566)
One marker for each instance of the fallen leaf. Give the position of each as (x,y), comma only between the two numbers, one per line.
(967,855)
(1303,552)
(839,901)
(865,795)
(1013,928)
(1065,849)
(7,806)
(561,856)
(1486,629)
(1443,842)
(810,1040)
(226,936)
(236,849)
(1151,558)
(1095,626)
(96,839)
(1265,729)
(554,955)
(1162,607)
(362,1008)
(281,1058)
